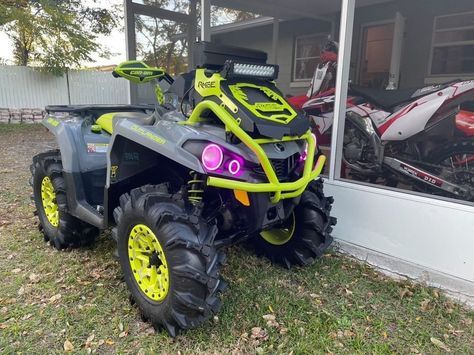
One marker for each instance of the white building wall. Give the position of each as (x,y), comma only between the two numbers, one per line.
(431,235)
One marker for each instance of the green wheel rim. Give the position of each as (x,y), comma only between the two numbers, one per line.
(280,236)
(148,263)
(48,199)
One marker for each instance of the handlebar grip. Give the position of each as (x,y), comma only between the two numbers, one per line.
(115,74)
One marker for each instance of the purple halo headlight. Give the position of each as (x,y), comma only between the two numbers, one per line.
(212,157)
(234,167)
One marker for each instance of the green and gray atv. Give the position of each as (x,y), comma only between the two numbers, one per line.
(234,164)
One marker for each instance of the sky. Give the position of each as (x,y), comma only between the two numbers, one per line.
(115,42)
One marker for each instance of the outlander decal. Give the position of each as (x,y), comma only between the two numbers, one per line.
(150,135)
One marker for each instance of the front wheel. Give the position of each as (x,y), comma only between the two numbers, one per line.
(304,236)
(168,259)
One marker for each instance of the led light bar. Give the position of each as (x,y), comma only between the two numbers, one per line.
(259,71)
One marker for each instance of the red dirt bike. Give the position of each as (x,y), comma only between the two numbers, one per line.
(423,137)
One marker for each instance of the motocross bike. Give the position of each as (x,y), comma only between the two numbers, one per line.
(421,143)
(422,137)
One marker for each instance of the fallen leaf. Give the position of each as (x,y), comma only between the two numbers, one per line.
(68,347)
(89,340)
(34,278)
(120,326)
(28,316)
(405,293)
(440,344)
(109,342)
(425,305)
(16,271)
(271,322)
(348,333)
(123,335)
(283,330)
(259,333)
(21,291)
(3,326)
(268,317)
(436,293)
(101,342)
(55,298)
(348,292)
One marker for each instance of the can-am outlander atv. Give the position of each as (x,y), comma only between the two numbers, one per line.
(177,189)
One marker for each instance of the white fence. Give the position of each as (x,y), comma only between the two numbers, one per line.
(27,88)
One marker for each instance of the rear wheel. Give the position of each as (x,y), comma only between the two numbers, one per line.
(49,193)
(456,165)
(168,259)
(304,236)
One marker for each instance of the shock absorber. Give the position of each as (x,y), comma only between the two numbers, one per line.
(195,188)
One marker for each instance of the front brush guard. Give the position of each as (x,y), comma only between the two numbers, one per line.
(280,190)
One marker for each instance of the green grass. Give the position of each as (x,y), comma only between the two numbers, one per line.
(335,306)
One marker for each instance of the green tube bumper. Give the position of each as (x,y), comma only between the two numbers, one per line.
(282,190)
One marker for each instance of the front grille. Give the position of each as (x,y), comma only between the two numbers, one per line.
(282,167)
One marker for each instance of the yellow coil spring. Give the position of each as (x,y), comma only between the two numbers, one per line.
(195,188)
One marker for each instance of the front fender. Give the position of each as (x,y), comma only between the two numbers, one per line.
(166,140)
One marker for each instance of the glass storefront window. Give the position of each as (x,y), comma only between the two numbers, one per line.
(408,125)
(420,137)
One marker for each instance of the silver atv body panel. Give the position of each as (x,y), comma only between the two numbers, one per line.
(87,153)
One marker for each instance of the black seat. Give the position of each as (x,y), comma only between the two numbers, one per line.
(388,99)
(385,99)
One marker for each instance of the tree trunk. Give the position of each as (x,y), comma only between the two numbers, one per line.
(169,54)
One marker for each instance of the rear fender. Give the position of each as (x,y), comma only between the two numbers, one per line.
(78,205)
(65,139)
